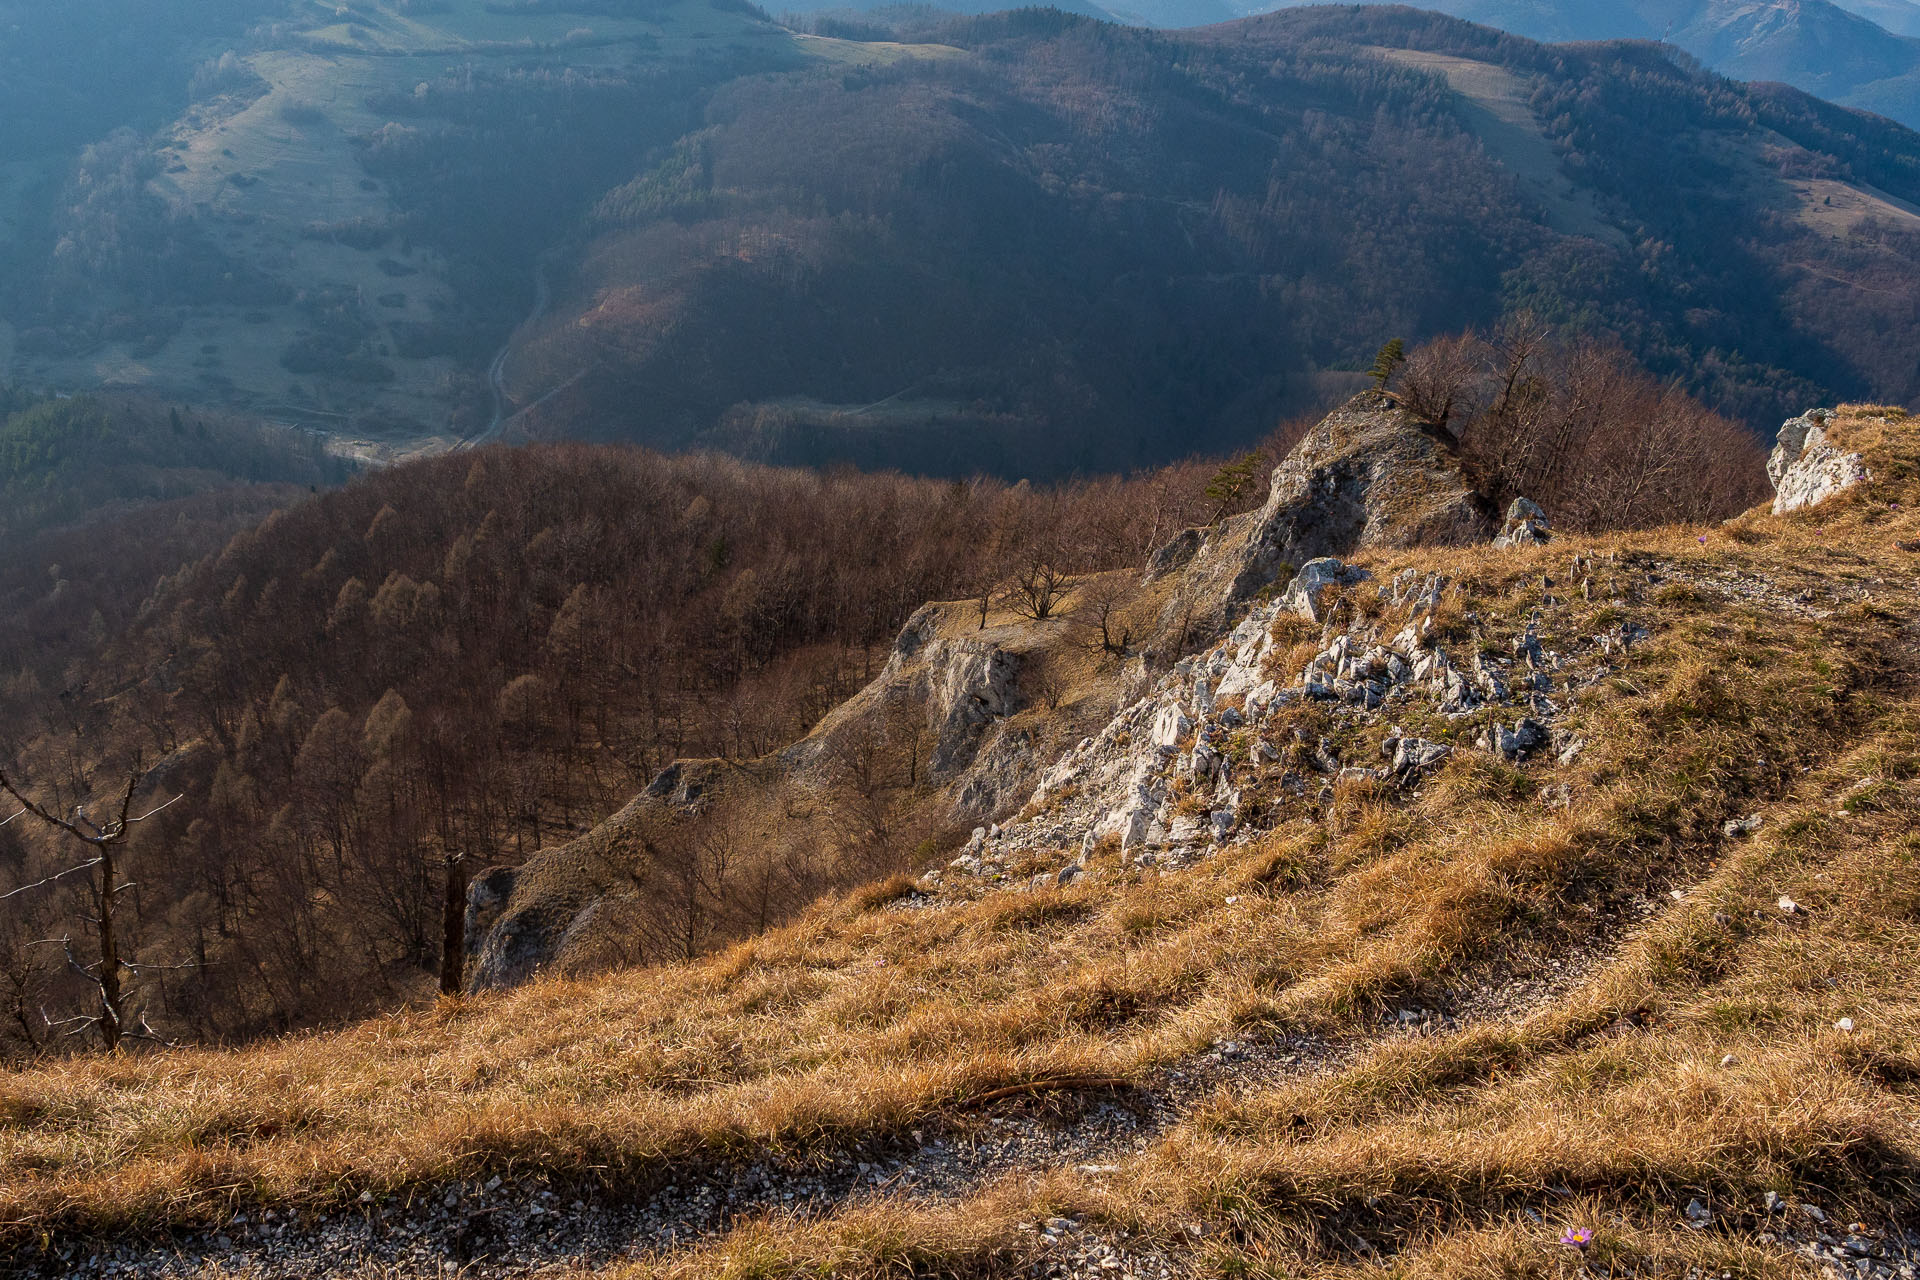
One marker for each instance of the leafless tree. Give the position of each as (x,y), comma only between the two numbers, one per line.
(1101,618)
(1046,681)
(105,885)
(1440,380)
(1038,588)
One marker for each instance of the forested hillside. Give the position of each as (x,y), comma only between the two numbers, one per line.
(1032,243)
(1079,242)
(375,693)
(73,461)
(460,659)
(75,71)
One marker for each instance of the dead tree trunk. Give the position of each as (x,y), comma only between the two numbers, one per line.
(453,927)
(105,887)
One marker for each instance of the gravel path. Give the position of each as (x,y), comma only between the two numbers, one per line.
(499,1229)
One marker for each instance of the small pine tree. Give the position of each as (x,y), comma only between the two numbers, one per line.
(1230,482)
(1387,363)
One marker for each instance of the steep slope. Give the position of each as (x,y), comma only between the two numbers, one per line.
(1813,46)
(1627,988)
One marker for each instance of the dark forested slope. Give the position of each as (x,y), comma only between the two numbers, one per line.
(75,461)
(1047,243)
(1031,242)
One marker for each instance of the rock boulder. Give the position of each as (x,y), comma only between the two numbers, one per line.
(1806,468)
(1526,525)
(1368,475)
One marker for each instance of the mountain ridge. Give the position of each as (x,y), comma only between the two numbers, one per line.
(1827,49)
(1058,245)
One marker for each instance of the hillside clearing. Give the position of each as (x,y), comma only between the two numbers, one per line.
(1498,114)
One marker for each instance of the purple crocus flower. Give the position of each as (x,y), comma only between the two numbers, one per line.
(1577,1237)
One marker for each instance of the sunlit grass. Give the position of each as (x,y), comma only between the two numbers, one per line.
(1686,1047)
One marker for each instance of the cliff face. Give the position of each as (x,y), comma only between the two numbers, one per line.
(980,714)
(1332,640)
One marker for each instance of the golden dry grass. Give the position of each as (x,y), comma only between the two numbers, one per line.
(1607,1102)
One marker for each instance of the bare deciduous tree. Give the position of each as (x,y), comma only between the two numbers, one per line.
(1576,425)
(105,885)
(1438,382)
(1039,587)
(1101,618)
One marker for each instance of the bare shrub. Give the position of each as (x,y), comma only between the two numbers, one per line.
(1575,424)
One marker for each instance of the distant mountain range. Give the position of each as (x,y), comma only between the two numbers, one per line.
(1856,53)
(1902,17)
(1028,243)
(1835,51)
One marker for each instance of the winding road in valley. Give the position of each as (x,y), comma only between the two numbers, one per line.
(503,410)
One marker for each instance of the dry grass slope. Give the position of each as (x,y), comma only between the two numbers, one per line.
(1639,1022)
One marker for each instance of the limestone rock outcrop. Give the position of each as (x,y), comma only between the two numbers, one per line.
(1162,758)
(1526,525)
(1368,476)
(1193,762)
(1806,468)
(971,684)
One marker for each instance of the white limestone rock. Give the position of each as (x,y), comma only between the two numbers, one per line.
(1305,594)
(1526,525)
(1171,727)
(1805,469)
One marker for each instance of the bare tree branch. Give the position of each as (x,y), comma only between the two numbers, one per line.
(41,884)
(114,832)
(105,887)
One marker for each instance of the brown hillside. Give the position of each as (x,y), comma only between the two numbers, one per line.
(1655,989)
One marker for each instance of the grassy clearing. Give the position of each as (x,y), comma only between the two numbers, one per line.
(1692,1056)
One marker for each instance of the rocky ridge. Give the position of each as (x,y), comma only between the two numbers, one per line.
(1369,477)
(1194,763)
(1171,762)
